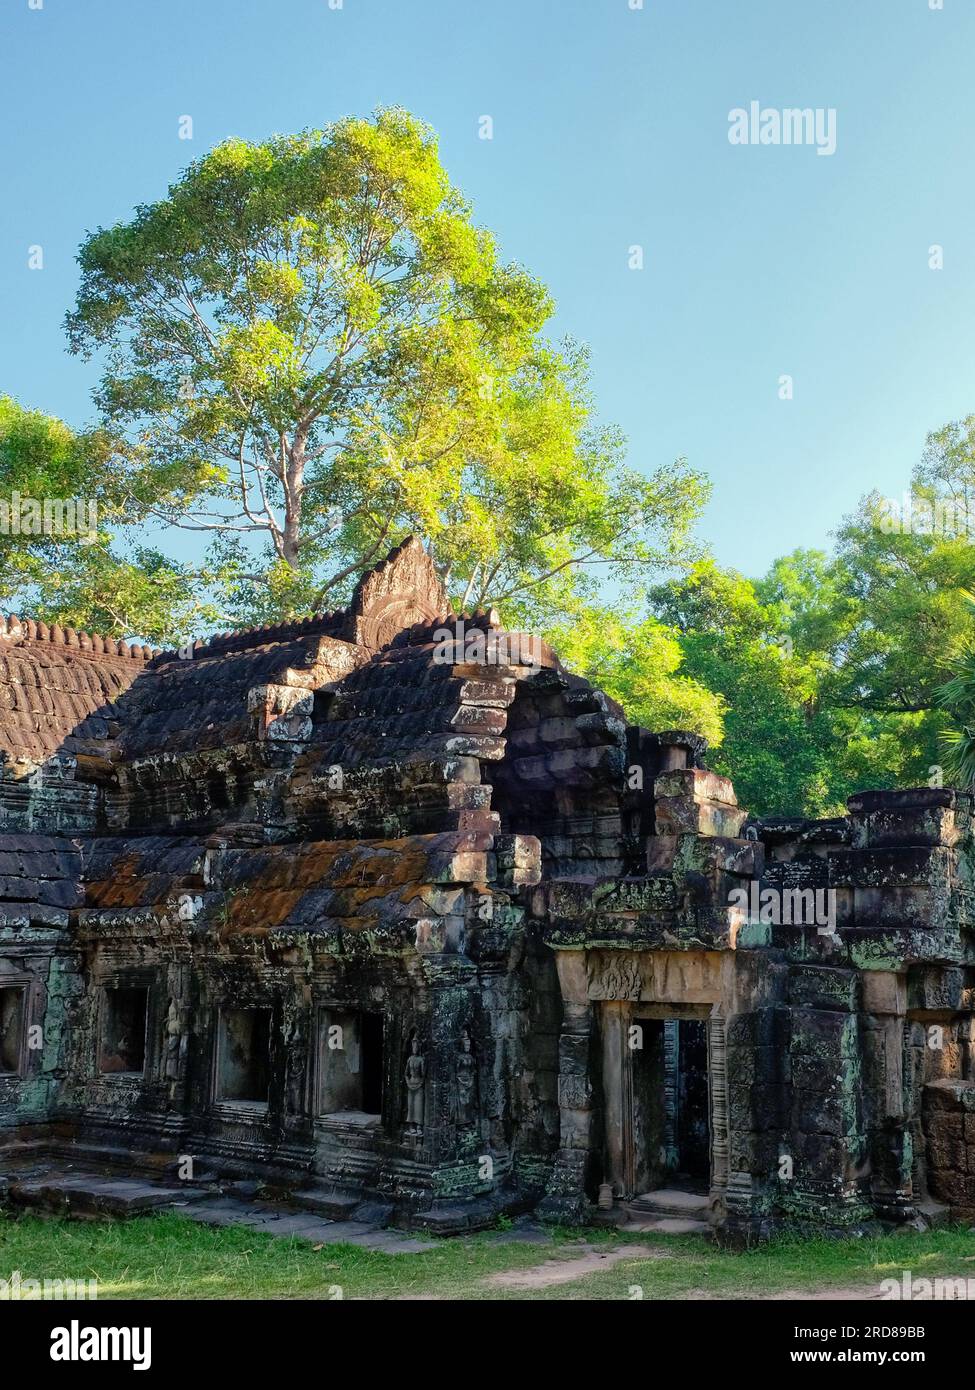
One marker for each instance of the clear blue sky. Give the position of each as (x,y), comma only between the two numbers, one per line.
(610,129)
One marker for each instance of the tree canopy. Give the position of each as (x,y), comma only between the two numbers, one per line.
(78,572)
(310,350)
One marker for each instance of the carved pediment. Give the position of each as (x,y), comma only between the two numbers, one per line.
(401,591)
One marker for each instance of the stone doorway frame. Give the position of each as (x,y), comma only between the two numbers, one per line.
(615,1019)
(602,986)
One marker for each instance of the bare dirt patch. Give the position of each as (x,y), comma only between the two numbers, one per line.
(554,1272)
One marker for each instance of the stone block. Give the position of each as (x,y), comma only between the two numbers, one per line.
(822,987)
(951,1187)
(884,992)
(946,1126)
(830,1037)
(935,987)
(947,1154)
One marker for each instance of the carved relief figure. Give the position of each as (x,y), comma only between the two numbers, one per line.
(615,976)
(466,1081)
(172,1042)
(416,1069)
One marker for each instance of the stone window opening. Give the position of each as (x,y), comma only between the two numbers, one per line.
(350,1064)
(244,1056)
(125,1017)
(12,1001)
(687,1127)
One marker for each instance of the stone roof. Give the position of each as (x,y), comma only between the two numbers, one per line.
(377,886)
(58,685)
(64,691)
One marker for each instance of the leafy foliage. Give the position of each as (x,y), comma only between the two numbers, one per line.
(78,577)
(637,661)
(795,742)
(311,351)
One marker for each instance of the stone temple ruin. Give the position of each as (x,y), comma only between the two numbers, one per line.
(429,931)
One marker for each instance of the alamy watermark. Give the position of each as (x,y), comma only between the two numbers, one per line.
(77,1343)
(787,907)
(910,1289)
(17,1288)
(48,516)
(792,125)
(460,645)
(911,515)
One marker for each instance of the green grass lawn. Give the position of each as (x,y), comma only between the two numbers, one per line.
(171,1257)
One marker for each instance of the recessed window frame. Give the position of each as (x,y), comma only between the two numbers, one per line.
(16,987)
(239,1103)
(325,1015)
(110,988)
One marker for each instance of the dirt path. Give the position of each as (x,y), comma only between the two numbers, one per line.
(854,1293)
(554,1272)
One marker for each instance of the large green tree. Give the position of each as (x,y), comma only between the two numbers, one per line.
(945,480)
(310,350)
(908,566)
(852,670)
(41,458)
(741,647)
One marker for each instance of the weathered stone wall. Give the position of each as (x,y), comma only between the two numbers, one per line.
(40,886)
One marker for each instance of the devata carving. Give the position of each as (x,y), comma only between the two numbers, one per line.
(466,1082)
(415,1079)
(172,1041)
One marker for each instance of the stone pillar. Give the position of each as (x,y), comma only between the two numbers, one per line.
(718,1096)
(617,1097)
(892,1150)
(672,1087)
(827,1123)
(566,1198)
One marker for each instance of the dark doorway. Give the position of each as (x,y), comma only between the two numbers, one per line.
(350,1062)
(11,1029)
(244,1071)
(649,1133)
(671,1132)
(693,1131)
(123,1039)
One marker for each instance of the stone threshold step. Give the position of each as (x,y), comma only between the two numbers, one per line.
(324,1201)
(671,1201)
(97,1195)
(666,1226)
